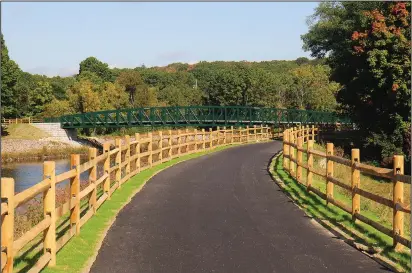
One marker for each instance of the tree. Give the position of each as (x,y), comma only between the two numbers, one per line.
(367,45)
(113,96)
(38,97)
(302,60)
(180,96)
(60,86)
(312,89)
(10,72)
(91,77)
(130,80)
(146,97)
(82,98)
(57,108)
(101,69)
(24,86)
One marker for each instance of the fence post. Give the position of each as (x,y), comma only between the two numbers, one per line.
(169,143)
(309,174)
(218,135)
(247,134)
(355,183)
(224,135)
(179,140)
(127,158)
(313,132)
(49,209)
(150,148)
(75,194)
(196,140)
(7,223)
(231,134)
(398,216)
(161,146)
(186,142)
(291,152)
(299,159)
(106,185)
(285,150)
(203,139)
(137,153)
(255,132)
(329,171)
(92,178)
(210,138)
(118,143)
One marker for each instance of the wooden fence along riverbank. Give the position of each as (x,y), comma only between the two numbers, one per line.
(120,161)
(22,120)
(293,150)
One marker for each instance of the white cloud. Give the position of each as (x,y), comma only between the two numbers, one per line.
(193,62)
(54,71)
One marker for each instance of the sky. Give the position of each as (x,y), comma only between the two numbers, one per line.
(53,38)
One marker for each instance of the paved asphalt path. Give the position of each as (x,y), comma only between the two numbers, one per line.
(222,213)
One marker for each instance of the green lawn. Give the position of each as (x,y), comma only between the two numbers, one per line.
(24,131)
(316,207)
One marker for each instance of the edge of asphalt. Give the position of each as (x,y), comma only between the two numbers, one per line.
(92,259)
(337,231)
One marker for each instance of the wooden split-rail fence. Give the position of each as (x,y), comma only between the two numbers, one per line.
(22,120)
(293,150)
(120,162)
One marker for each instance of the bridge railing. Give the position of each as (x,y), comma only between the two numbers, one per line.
(197,115)
(293,162)
(106,172)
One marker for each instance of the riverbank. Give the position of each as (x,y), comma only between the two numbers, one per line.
(24,142)
(43,153)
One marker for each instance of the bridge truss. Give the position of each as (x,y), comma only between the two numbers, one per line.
(200,116)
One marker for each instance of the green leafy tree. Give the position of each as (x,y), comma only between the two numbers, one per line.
(113,96)
(368,47)
(57,108)
(302,60)
(130,80)
(10,72)
(312,89)
(83,98)
(91,77)
(101,69)
(60,85)
(180,96)
(147,97)
(39,96)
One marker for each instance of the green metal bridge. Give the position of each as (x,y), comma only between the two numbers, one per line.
(200,116)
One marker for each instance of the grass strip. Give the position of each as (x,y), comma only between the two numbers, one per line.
(79,253)
(361,233)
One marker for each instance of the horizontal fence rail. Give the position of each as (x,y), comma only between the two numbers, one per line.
(198,116)
(29,120)
(120,160)
(293,150)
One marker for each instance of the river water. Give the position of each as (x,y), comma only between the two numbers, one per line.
(27,174)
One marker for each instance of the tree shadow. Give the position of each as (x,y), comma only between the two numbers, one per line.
(319,211)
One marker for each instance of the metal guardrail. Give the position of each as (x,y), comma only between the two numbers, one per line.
(198,116)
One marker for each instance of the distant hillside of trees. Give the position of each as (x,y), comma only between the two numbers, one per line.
(301,83)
